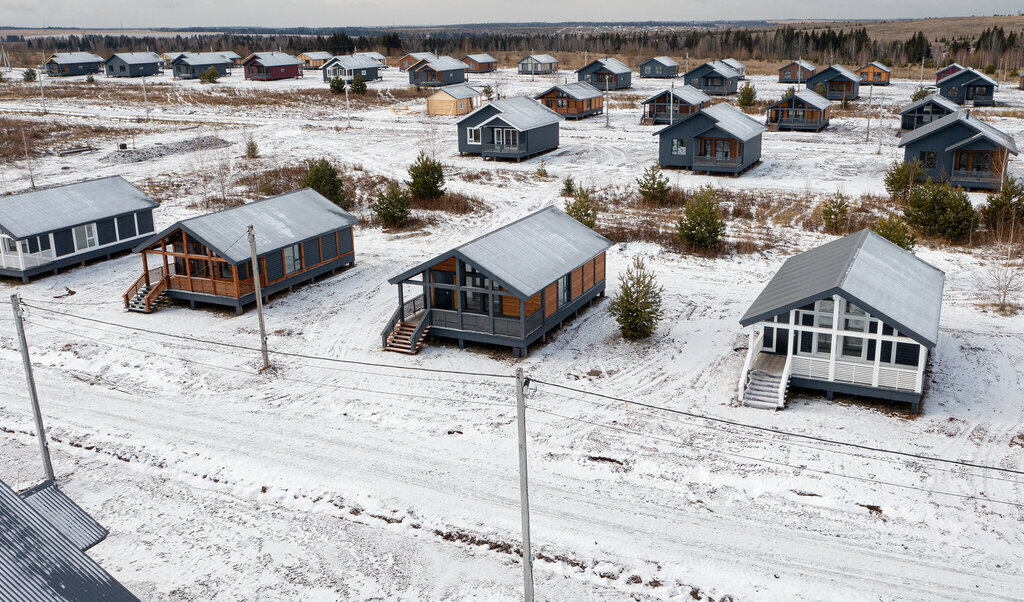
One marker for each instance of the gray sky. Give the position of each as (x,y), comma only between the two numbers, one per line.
(282,13)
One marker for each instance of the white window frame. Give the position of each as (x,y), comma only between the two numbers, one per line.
(679,147)
(293,258)
(473,135)
(88,232)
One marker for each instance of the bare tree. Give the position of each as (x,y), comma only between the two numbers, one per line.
(1002,279)
(223,176)
(200,168)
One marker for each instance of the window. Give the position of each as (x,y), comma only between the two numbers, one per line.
(473,135)
(225,270)
(928,159)
(787,74)
(85,236)
(853,347)
(563,290)
(678,146)
(824,344)
(292,259)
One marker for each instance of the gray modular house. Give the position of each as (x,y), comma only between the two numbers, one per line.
(718,139)
(61,64)
(206,259)
(190,65)
(133,64)
(715,78)
(347,68)
(438,71)
(509,287)
(659,66)
(380,58)
(857,316)
(510,128)
(231,55)
(45,230)
(839,82)
(962,150)
(414,57)
(968,85)
(925,111)
(804,110)
(606,74)
(737,66)
(796,72)
(538,64)
(672,105)
(42,549)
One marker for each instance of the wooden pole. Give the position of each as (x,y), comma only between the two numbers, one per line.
(524,496)
(32,394)
(259,298)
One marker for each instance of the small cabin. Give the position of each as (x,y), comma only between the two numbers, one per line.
(62,64)
(839,83)
(380,58)
(672,105)
(45,230)
(962,150)
(438,71)
(132,64)
(968,85)
(232,56)
(167,58)
(456,99)
(855,316)
(804,110)
(925,111)
(719,139)
(517,128)
(412,58)
(714,78)
(606,74)
(874,74)
(796,72)
(346,68)
(574,100)
(538,64)
(207,259)
(190,65)
(509,287)
(480,63)
(947,71)
(271,66)
(659,66)
(736,66)
(314,59)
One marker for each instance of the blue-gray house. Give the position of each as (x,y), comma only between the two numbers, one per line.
(61,64)
(606,74)
(839,82)
(672,105)
(659,66)
(510,128)
(538,64)
(718,139)
(438,71)
(346,68)
(803,110)
(715,78)
(190,65)
(925,111)
(968,85)
(737,66)
(796,72)
(133,64)
(45,230)
(962,150)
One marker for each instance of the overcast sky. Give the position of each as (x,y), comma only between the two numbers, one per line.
(320,13)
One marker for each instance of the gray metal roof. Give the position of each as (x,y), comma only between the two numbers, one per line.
(353,62)
(839,70)
(938,99)
(719,67)
(459,91)
(201,58)
(957,65)
(685,94)
(540,58)
(575,90)
(810,97)
(419,56)
(980,128)
(877,65)
(612,65)
(278,222)
(734,121)
(738,66)
(81,529)
(799,62)
(137,58)
(273,59)
(528,254)
(39,564)
(318,55)
(887,281)
(440,63)
(373,55)
(65,58)
(481,58)
(664,60)
(521,112)
(60,207)
(229,54)
(969,74)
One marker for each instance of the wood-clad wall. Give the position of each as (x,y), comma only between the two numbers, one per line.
(550,299)
(577,282)
(599,267)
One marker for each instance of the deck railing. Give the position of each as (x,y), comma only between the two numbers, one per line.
(410,307)
(709,89)
(506,327)
(154,275)
(752,351)
(889,377)
(705,161)
(793,121)
(504,148)
(424,323)
(976,176)
(10,259)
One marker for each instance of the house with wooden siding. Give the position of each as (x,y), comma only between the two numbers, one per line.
(346,68)
(412,58)
(796,72)
(714,78)
(672,105)
(380,58)
(659,66)
(719,139)
(168,57)
(856,316)
(574,100)
(509,128)
(606,74)
(61,64)
(456,99)
(948,70)
(132,64)
(45,230)
(736,66)
(925,111)
(480,63)
(874,74)
(839,82)
(190,65)
(438,71)
(509,287)
(207,259)
(804,110)
(314,59)
(270,66)
(968,85)
(962,150)
(538,64)
(231,55)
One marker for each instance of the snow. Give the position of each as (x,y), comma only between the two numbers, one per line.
(337,481)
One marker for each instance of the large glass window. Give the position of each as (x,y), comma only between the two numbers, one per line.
(928,159)
(678,146)
(292,259)
(85,236)
(473,135)
(563,290)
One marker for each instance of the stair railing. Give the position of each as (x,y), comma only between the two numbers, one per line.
(749,363)
(154,293)
(153,274)
(424,324)
(410,307)
(784,383)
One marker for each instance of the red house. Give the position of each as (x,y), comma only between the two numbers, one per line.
(267,66)
(948,70)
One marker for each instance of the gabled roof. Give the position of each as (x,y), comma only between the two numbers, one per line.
(738,66)
(610,64)
(685,94)
(883,279)
(540,58)
(717,67)
(480,58)
(74,523)
(810,97)
(727,118)
(172,55)
(836,70)
(201,58)
(664,60)
(876,65)
(459,91)
(68,58)
(353,62)
(937,99)
(528,254)
(574,90)
(520,112)
(419,56)
(272,59)
(981,128)
(440,63)
(318,55)
(373,55)
(958,67)
(137,58)
(969,75)
(800,63)
(278,222)
(229,54)
(51,209)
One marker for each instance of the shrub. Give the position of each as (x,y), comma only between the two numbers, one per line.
(919,93)
(358,85)
(252,150)
(210,76)
(936,209)
(89,79)
(1004,210)
(901,177)
(392,206)
(701,226)
(893,229)
(835,213)
(637,305)
(886,61)
(28,75)
(488,91)
(568,186)
(990,69)
(790,91)
(1014,72)
(820,89)
(426,178)
(323,178)
(337,85)
(652,185)
(747,95)
(581,208)
(542,169)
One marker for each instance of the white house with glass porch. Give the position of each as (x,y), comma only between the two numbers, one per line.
(857,316)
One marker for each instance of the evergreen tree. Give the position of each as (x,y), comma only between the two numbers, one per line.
(337,85)
(392,206)
(210,76)
(835,213)
(790,91)
(820,89)
(252,150)
(358,85)
(28,75)
(747,95)
(919,93)
(581,208)
(637,305)
(936,209)
(426,178)
(652,185)
(323,178)
(488,92)
(901,177)
(1005,208)
(701,226)
(568,186)
(893,229)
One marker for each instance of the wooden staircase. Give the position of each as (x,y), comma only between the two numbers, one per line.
(400,339)
(146,300)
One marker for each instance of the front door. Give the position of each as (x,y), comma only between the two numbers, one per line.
(443,297)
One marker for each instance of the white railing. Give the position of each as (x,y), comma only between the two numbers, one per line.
(784,383)
(902,379)
(11,260)
(755,348)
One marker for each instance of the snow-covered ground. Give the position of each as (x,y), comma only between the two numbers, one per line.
(328,480)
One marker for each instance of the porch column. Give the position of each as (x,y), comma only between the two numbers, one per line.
(490,308)
(522,319)
(21,254)
(835,338)
(401,303)
(753,335)
(922,359)
(167,268)
(3,255)
(878,355)
(458,283)
(145,268)
(792,332)
(427,291)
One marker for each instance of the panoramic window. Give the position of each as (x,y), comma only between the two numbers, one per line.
(85,236)
(292,259)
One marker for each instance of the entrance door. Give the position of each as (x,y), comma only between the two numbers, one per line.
(444,297)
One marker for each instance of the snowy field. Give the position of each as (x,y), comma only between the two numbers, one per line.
(327,480)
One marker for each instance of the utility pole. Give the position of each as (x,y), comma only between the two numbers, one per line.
(870,94)
(606,106)
(32,395)
(42,94)
(523,493)
(259,298)
(672,104)
(145,99)
(348,107)
(881,101)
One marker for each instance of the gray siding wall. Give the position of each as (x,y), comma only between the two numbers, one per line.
(73,68)
(530,68)
(957,91)
(937,142)
(453,76)
(182,71)
(114,65)
(916,118)
(542,139)
(474,120)
(657,70)
(622,80)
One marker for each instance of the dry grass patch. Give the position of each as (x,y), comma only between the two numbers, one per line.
(45,136)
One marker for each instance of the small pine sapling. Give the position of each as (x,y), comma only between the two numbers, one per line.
(637,305)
